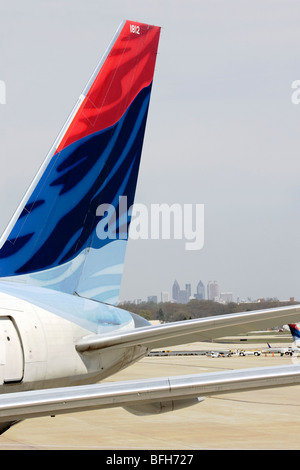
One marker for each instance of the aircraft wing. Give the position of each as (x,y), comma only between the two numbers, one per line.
(147,396)
(201,329)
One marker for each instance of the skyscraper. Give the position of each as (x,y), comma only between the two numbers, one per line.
(188,288)
(212,290)
(200,295)
(183,297)
(175,291)
(164,296)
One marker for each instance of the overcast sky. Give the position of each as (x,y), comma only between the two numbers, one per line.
(222,129)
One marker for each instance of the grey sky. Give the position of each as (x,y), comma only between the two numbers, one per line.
(222,130)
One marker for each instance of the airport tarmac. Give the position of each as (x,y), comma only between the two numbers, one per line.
(264,419)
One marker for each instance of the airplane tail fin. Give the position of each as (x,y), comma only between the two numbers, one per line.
(295,332)
(70,230)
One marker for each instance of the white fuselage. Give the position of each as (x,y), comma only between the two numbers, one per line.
(37,350)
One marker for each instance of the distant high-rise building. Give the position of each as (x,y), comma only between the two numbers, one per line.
(226,297)
(152,298)
(183,297)
(165,297)
(212,290)
(200,295)
(188,288)
(175,291)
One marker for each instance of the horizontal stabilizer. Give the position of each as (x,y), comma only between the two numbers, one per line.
(201,329)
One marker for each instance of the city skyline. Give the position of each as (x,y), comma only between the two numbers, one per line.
(176,294)
(210,291)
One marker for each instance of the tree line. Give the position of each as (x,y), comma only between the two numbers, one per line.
(171,312)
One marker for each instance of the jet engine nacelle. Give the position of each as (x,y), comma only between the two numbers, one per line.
(162,406)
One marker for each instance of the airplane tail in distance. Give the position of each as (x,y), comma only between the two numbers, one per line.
(70,231)
(295,332)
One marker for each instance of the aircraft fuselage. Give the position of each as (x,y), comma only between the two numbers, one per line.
(37,350)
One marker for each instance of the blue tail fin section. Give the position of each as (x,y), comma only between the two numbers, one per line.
(61,237)
(295,332)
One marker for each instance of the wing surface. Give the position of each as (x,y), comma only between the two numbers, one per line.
(163,392)
(201,329)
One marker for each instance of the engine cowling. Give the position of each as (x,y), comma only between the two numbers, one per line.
(162,406)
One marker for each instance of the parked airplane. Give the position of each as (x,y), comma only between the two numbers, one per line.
(280,350)
(60,331)
(294,348)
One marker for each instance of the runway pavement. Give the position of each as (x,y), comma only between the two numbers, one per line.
(265,419)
